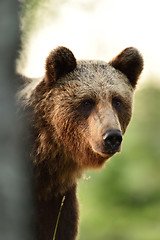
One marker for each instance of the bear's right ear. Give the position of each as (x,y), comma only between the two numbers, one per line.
(129,62)
(59,62)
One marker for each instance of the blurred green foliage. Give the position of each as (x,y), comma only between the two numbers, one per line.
(32,11)
(122,201)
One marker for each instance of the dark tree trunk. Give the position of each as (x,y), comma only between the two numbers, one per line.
(16,207)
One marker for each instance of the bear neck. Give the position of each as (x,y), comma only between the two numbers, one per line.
(56,170)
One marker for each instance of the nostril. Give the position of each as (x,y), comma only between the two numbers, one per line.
(112,139)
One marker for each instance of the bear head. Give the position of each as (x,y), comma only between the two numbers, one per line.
(89,103)
(82,108)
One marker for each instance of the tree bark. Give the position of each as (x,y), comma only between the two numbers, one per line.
(16,207)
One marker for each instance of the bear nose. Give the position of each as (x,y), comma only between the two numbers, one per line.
(112,140)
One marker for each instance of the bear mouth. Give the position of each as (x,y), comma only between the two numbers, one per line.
(107,153)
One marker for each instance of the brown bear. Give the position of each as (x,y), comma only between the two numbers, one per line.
(78,113)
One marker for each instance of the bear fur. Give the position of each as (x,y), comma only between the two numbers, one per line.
(78,113)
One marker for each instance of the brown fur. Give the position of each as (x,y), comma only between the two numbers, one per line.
(130,63)
(71,108)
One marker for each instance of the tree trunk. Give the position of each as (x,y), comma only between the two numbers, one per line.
(16,206)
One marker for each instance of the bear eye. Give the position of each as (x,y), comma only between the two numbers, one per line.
(86,106)
(117,103)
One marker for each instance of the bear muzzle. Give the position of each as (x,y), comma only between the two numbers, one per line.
(112,141)
(109,144)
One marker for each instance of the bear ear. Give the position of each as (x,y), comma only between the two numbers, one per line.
(59,62)
(129,62)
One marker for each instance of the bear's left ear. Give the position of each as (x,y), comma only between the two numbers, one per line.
(129,62)
(59,62)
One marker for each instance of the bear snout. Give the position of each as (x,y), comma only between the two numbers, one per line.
(112,140)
